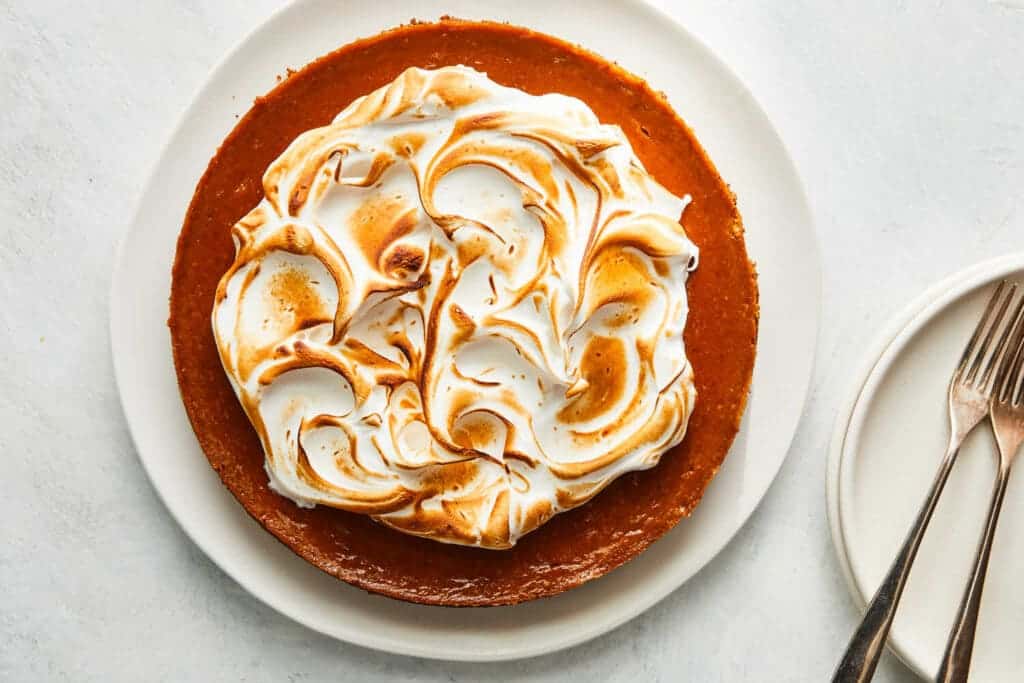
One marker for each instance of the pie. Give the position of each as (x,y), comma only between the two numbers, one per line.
(414,449)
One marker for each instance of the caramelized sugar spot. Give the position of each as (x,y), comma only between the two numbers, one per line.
(602,368)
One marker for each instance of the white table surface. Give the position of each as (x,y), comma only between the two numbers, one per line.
(906,120)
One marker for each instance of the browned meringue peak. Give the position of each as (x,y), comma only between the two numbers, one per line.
(459,309)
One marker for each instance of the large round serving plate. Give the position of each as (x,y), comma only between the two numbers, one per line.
(780,238)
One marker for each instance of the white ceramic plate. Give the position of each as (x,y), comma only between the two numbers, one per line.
(888,442)
(780,236)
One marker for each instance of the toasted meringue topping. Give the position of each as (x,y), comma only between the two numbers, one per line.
(459,309)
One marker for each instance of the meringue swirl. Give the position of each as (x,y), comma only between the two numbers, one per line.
(459,309)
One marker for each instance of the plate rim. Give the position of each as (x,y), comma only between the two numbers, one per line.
(812,257)
(884,348)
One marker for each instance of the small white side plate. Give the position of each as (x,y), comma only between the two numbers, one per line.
(888,442)
(780,236)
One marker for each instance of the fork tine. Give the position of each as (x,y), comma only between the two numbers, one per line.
(990,322)
(1019,399)
(1012,389)
(969,349)
(1005,349)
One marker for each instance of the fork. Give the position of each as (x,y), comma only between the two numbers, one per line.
(969,392)
(1006,411)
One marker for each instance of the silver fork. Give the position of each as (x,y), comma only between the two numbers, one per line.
(969,392)
(1007,415)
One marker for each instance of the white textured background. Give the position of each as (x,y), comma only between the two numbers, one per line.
(906,120)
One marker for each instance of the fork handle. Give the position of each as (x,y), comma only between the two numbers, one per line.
(956,662)
(861,657)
